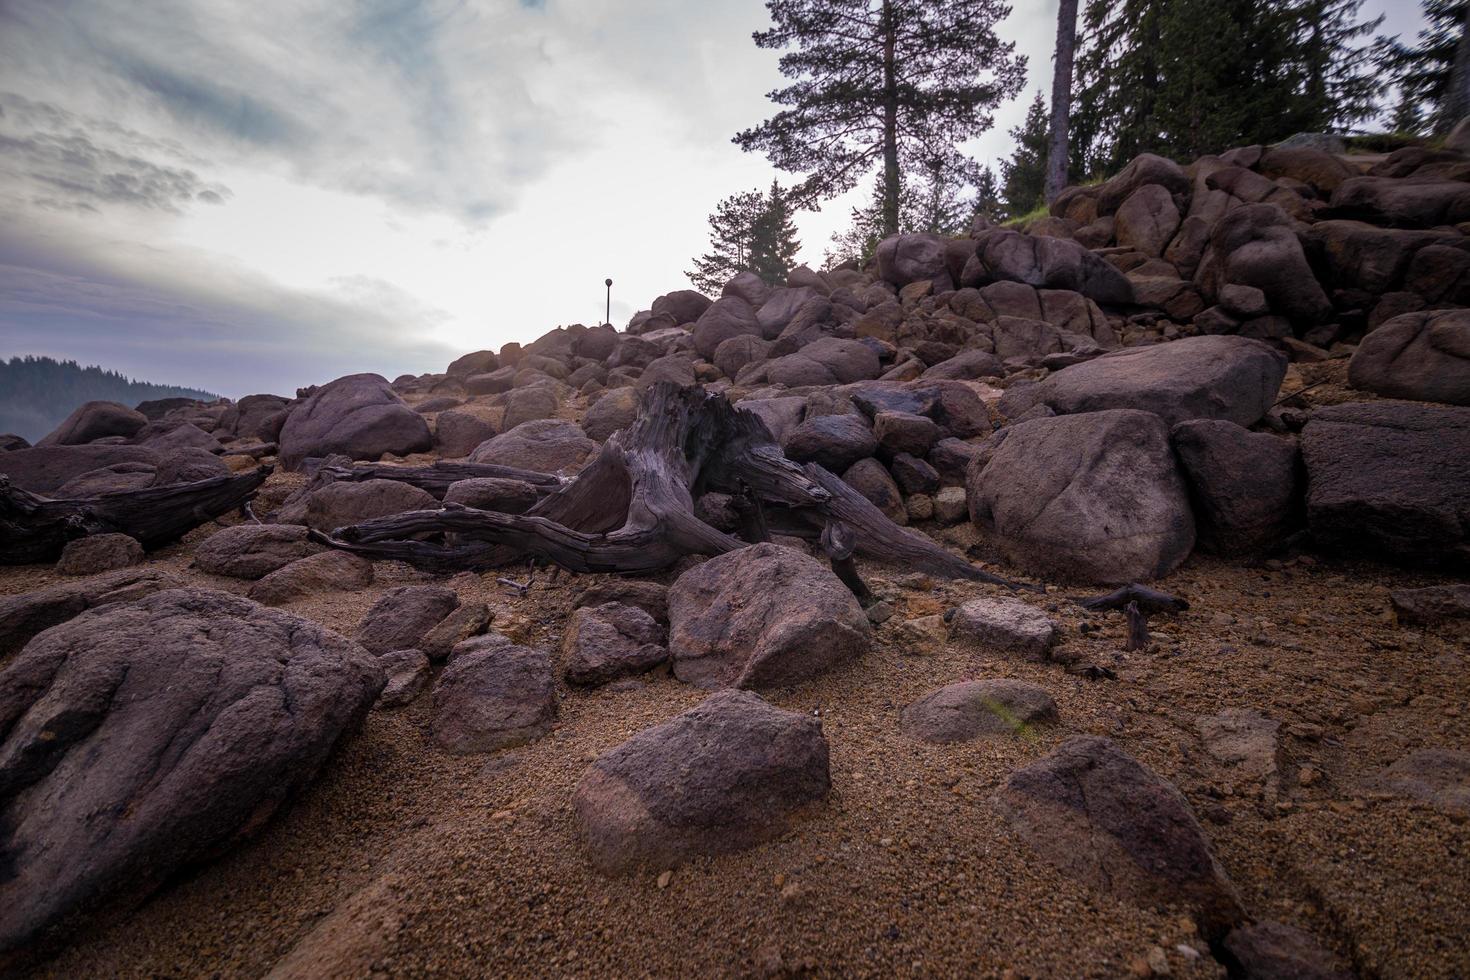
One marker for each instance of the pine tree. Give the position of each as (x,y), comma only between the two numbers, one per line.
(1023,176)
(1061,98)
(873,79)
(1425,73)
(987,196)
(773,244)
(730,236)
(1182,78)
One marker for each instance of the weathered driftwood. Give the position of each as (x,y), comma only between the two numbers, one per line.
(1149,600)
(434,478)
(631,509)
(1137,627)
(35,528)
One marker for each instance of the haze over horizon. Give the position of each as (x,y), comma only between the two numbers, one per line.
(254,198)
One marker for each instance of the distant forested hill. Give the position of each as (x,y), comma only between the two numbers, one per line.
(36,393)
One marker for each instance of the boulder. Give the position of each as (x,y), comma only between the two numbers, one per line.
(188,466)
(781,415)
(1272,951)
(608,641)
(869,478)
(1213,377)
(408,674)
(1439,777)
(1093,497)
(1147,220)
(967,365)
(1245,485)
(46,469)
(749,287)
(1432,603)
(1006,626)
(738,351)
(651,597)
(970,709)
(95,420)
(468,620)
(1097,815)
(403,616)
(616,409)
(1419,203)
(23,616)
(1390,479)
(729,316)
(1257,245)
(682,306)
(359,416)
(492,493)
(354,501)
(144,737)
(1422,356)
(829,361)
(832,441)
(762,616)
(456,434)
(903,259)
(327,571)
(675,368)
(99,553)
(252,551)
(1051,263)
(545,445)
(905,432)
(493,695)
(1142,171)
(476,362)
(777,312)
(724,776)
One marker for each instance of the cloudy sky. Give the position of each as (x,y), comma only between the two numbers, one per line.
(253,195)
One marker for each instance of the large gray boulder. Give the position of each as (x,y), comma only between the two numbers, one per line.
(359,416)
(1093,812)
(1211,377)
(1093,497)
(95,420)
(762,616)
(615,409)
(903,259)
(544,445)
(1245,485)
(1390,479)
(143,737)
(24,615)
(728,317)
(829,361)
(1257,245)
(1049,263)
(251,551)
(1423,356)
(724,776)
(833,441)
(46,469)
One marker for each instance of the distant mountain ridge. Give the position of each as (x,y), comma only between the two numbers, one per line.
(37,393)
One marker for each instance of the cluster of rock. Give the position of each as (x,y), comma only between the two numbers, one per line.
(1098,394)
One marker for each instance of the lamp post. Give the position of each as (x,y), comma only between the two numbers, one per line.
(607,316)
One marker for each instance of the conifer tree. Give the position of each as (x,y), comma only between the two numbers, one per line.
(749,232)
(1426,72)
(773,244)
(1023,176)
(873,80)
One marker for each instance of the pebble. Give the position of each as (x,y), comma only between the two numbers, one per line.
(664,879)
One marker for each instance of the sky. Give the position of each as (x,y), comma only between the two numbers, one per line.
(258,195)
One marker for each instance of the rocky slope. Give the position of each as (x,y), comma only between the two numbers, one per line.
(1245,381)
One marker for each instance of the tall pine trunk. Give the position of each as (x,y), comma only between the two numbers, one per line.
(890,122)
(1061,99)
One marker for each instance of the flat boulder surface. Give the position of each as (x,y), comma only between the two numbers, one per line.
(140,737)
(359,416)
(494,694)
(326,571)
(1004,625)
(45,469)
(99,553)
(1097,815)
(1422,356)
(762,616)
(723,776)
(252,551)
(971,709)
(543,445)
(1390,479)
(354,501)
(403,616)
(1211,377)
(1093,497)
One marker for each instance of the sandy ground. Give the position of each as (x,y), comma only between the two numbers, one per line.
(405,861)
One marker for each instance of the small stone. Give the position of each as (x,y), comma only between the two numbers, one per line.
(408,675)
(1003,624)
(950,506)
(664,879)
(879,612)
(99,553)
